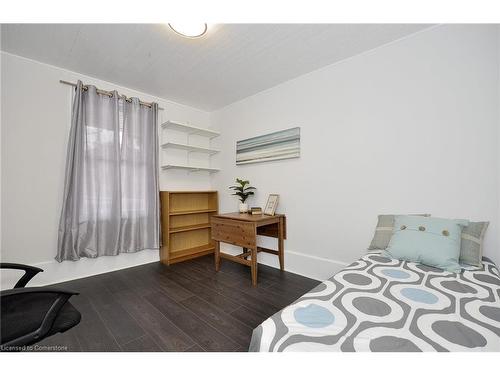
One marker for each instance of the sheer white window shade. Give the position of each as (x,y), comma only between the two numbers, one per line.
(98,139)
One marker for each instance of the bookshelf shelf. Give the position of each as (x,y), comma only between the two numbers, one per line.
(190,168)
(181,146)
(190,129)
(186,224)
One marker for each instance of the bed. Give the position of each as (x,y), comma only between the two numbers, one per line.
(387,305)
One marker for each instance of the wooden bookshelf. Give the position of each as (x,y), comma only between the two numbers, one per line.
(185,220)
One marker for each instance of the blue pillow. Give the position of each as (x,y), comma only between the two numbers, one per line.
(427,240)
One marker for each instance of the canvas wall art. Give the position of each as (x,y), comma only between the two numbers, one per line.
(284,144)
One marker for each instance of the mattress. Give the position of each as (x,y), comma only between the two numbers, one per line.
(386,305)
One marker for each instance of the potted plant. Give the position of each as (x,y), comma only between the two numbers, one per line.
(243,190)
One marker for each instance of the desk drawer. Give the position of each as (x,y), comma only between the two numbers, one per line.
(234,232)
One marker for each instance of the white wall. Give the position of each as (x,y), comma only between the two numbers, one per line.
(498,147)
(35,126)
(0,140)
(408,127)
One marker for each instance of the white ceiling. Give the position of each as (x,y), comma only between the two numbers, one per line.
(232,62)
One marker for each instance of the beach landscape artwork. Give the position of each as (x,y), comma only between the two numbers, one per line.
(284,144)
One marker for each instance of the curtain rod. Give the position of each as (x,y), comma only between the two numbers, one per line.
(108,93)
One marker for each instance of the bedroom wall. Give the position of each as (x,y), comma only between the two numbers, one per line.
(0,141)
(35,126)
(410,127)
(498,135)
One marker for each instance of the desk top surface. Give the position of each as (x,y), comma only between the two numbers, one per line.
(247,217)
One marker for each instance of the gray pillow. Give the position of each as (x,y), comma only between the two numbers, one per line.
(471,247)
(383,231)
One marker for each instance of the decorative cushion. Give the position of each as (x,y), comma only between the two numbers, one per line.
(431,241)
(383,231)
(471,249)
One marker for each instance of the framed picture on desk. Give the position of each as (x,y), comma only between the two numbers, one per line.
(272,203)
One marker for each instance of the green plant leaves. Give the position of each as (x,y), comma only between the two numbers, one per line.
(242,190)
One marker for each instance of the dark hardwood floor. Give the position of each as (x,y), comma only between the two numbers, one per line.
(183,307)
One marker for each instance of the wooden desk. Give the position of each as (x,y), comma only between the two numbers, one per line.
(242,230)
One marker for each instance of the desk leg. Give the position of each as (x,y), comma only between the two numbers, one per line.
(217,255)
(253,266)
(245,250)
(281,246)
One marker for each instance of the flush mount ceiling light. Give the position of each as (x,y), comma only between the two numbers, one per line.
(189,29)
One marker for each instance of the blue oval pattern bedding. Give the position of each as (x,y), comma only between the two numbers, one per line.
(386,305)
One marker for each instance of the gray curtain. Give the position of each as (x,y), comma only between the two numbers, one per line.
(111,200)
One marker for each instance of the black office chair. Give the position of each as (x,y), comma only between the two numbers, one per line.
(29,315)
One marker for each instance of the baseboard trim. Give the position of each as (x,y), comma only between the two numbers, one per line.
(311,266)
(55,272)
(307,265)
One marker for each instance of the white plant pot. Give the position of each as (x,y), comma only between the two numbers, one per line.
(243,208)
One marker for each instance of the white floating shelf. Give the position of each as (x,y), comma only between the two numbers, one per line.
(190,129)
(190,168)
(190,148)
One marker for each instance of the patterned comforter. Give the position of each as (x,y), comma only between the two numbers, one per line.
(382,304)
